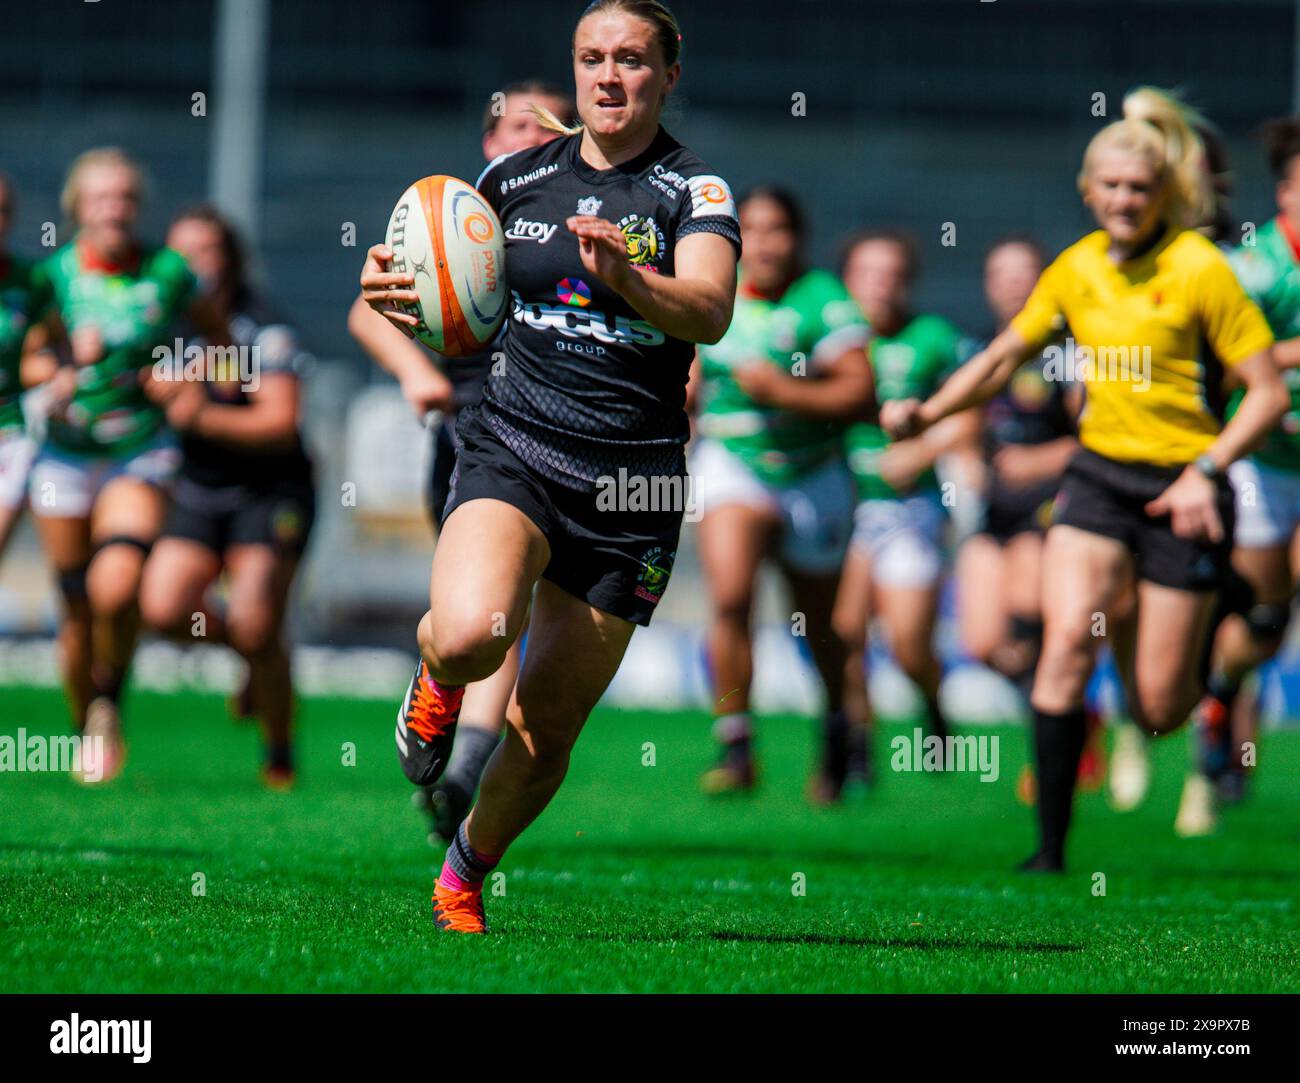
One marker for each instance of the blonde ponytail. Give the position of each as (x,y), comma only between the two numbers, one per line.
(1163,131)
(551,122)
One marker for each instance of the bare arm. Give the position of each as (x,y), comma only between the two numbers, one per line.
(977,381)
(269,423)
(843,389)
(1287,353)
(1262,407)
(695,304)
(423,384)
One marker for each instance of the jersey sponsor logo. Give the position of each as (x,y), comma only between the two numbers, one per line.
(573,291)
(586,323)
(645,241)
(710,196)
(523,230)
(525,179)
(589,205)
(667,181)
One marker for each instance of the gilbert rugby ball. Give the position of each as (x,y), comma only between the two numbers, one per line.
(447,235)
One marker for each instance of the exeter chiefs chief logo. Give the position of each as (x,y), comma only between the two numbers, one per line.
(645,241)
(656,567)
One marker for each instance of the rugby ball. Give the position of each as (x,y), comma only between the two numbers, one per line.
(450,238)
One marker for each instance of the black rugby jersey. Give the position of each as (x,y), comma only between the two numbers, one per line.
(1031,409)
(588,385)
(276,348)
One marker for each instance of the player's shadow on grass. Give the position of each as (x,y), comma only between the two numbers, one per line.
(892,942)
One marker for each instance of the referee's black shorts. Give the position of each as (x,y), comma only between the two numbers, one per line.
(616,560)
(1107,497)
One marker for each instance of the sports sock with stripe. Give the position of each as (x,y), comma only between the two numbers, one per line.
(465,868)
(1058,744)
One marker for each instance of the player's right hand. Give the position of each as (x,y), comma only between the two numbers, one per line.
(901,418)
(383,289)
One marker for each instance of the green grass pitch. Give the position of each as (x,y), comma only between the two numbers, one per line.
(631,881)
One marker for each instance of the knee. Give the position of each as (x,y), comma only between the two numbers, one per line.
(849,630)
(162,610)
(460,649)
(733,608)
(1159,712)
(250,634)
(113,579)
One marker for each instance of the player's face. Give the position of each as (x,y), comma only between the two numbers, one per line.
(876,275)
(1009,277)
(518,128)
(619,73)
(200,244)
(1288,192)
(1125,194)
(108,201)
(770,243)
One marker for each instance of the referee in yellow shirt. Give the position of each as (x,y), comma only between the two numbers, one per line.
(1161,330)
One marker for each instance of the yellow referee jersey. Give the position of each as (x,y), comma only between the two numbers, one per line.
(1148,339)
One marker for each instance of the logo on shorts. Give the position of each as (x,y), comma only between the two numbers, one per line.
(286,524)
(645,241)
(656,567)
(573,291)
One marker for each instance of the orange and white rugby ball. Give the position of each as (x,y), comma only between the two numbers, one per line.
(448,235)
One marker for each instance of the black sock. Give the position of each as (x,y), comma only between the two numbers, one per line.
(835,744)
(469,756)
(279,757)
(1223,688)
(935,721)
(1058,744)
(108,680)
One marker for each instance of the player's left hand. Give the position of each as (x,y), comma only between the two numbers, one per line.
(603,249)
(1192,507)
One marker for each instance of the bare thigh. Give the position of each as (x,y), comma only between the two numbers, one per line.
(1084,575)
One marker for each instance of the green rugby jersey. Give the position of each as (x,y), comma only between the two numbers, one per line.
(910,364)
(814,321)
(24,294)
(134,308)
(1270,274)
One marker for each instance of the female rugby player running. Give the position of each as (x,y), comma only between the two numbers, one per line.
(1027,438)
(23,296)
(1147,497)
(245,498)
(444,387)
(1267,484)
(597,354)
(775,395)
(896,557)
(97,485)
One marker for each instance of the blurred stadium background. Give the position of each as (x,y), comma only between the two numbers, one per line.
(317,114)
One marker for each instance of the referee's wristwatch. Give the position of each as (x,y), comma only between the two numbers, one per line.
(1208,467)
